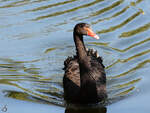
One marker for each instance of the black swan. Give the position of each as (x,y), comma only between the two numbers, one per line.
(84,81)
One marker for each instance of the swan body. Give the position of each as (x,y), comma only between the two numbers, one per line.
(84,80)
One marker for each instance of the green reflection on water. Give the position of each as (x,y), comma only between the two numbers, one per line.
(117,13)
(99,43)
(19,95)
(123,93)
(29,95)
(51,5)
(128,59)
(17,62)
(128,83)
(15,4)
(49,50)
(135,31)
(113,28)
(132,46)
(104,10)
(67,11)
(24,89)
(140,65)
(32,70)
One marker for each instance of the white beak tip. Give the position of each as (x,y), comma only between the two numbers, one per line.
(96,36)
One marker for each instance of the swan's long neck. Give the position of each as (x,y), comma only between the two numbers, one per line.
(81,51)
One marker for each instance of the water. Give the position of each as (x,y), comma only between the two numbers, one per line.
(36,38)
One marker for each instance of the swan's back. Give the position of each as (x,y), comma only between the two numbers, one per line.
(71,82)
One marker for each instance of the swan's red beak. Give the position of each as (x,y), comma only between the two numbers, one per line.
(91,33)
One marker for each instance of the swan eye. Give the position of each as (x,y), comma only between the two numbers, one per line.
(82,25)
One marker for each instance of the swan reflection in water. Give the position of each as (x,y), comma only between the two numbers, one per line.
(86,110)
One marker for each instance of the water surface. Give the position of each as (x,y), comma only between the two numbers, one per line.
(36,38)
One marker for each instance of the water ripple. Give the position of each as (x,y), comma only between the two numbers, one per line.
(140,65)
(67,11)
(50,6)
(113,28)
(123,45)
(117,13)
(135,31)
(104,10)
(15,4)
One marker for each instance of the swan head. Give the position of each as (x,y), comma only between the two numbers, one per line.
(85,29)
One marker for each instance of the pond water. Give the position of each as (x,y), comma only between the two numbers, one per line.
(36,38)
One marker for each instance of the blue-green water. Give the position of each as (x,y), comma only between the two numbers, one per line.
(36,38)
